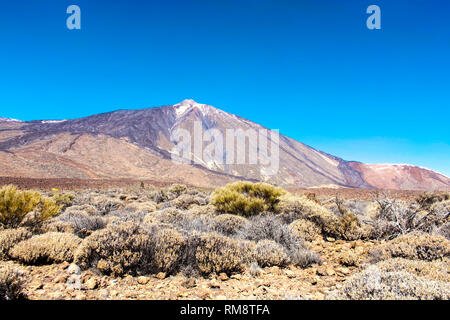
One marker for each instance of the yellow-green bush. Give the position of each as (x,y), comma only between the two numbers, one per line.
(16,204)
(63,199)
(229,224)
(216,253)
(413,246)
(246,198)
(47,248)
(9,238)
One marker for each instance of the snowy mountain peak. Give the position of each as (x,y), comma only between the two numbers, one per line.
(186,105)
(9,120)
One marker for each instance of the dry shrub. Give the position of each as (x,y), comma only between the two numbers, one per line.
(269,253)
(375,284)
(105,204)
(443,231)
(216,253)
(246,198)
(413,246)
(346,227)
(432,270)
(58,226)
(48,248)
(394,218)
(177,189)
(186,201)
(126,215)
(270,227)
(229,224)
(159,196)
(442,209)
(9,238)
(304,257)
(349,259)
(300,207)
(127,248)
(293,207)
(11,284)
(202,210)
(169,215)
(116,250)
(305,229)
(89,209)
(167,246)
(81,223)
(349,228)
(15,205)
(426,200)
(148,206)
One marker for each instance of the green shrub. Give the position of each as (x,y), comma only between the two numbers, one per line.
(246,198)
(63,199)
(16,204)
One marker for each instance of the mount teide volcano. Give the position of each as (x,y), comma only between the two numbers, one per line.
(136,144)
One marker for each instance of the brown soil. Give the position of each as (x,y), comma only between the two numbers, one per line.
(315,282)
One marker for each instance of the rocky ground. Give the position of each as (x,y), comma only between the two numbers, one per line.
(66,282)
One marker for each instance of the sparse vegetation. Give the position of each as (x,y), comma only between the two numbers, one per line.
(11,284)
(243,231)
(375,284)
(413,246)
(117,249)
(48,248)
(216,253)
(229,224)
(9,238)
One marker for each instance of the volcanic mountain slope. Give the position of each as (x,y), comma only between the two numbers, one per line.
(137,144)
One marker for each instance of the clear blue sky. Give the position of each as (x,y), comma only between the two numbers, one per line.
(309,68)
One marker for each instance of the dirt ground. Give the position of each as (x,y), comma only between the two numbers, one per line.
(50,282)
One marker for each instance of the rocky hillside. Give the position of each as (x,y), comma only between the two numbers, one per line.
(137,144)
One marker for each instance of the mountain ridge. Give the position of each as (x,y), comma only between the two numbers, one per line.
(141,138)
